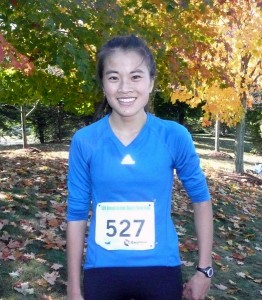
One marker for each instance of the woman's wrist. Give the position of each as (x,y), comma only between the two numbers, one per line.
(72,293)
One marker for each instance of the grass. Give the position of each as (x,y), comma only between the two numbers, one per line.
(32,222)
(205,144)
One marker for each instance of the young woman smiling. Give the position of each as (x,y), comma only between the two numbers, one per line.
(122,167)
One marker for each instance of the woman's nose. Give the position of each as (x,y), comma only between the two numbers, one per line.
(125,86)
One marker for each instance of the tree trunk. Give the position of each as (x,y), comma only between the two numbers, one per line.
(23,126)
(181,117)
(40,123)
(59,124)
(240,139)
(217,133)
(240,129)
(239,146)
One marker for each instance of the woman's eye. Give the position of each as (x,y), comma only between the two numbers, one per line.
(113,78)
(136,77)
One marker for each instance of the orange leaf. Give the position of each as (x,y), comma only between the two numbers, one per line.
(53,223)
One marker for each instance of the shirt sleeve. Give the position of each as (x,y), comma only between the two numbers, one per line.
(187,165)
(78,180)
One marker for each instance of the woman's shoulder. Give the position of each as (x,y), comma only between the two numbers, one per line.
(92,129)
(167,126)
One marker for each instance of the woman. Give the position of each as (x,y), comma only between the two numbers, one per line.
(122,167)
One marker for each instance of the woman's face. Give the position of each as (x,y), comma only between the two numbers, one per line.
(126,82)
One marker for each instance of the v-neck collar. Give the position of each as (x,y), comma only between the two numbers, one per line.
(135,141)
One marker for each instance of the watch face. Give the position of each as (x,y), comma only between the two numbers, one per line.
(210,272)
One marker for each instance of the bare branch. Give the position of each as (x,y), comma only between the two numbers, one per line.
(34,107)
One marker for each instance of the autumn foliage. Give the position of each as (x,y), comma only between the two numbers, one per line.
(11,58)
(235,47)
(202,48)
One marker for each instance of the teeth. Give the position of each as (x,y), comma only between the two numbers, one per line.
(126,100)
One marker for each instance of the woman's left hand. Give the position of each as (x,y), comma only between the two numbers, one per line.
(197,287)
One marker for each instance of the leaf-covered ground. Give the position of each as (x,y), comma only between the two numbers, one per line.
(32,227)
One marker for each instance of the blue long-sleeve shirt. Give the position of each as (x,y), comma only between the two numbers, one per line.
(130,191)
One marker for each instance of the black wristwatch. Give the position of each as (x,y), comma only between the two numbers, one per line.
(209,271)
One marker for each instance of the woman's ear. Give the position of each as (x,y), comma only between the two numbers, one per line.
(152,83)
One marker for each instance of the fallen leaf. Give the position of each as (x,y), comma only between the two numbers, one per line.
(42,282)
(14,244)
(259,281)
(241,274)
(45,297)
(53,223)
(41,260)
(188,263)
(238,256)
(230,242)
(221,287)
(56,266)
(16,273)
(3,223)
(51,277)
(24,289)
(216,257)
(228,258)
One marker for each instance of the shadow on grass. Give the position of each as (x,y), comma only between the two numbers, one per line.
(205,145)
(56,147)
(227,143)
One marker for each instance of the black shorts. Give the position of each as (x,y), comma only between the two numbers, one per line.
(133,283)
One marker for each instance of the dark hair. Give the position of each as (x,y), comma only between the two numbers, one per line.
(126,43)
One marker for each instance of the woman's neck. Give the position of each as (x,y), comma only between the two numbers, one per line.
(127,124)
(127,128)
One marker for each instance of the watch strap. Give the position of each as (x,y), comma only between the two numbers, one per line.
(209,271)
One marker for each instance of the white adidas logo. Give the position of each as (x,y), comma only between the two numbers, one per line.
(127,160)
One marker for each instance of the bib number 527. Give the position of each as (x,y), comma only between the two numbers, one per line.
(124,228)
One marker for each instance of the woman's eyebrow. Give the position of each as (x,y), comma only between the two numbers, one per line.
(137,71)
(116,72)
(111,72)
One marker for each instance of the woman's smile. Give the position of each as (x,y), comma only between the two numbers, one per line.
(126,101)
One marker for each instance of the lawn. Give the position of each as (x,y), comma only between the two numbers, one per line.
(32,222)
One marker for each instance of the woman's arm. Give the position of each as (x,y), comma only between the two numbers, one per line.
(75,245)
(198,286)
(203,216)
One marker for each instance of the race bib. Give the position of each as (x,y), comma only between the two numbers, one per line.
(125,225)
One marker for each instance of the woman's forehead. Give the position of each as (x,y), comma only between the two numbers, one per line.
(129,59)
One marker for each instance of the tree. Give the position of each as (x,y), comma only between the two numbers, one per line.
(51,37)
(243,22)
(9,117)
(52,123)
(68,33)
(11,59)
(196,44)
(237,48)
